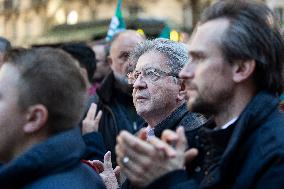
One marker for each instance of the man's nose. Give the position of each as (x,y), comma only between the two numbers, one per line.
(187,71)
(139,82)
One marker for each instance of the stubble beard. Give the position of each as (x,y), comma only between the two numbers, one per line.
(217,103)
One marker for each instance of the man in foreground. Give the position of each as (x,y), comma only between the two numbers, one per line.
(42,99)
(235,76)
(158,93)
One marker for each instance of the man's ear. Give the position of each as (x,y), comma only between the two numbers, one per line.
(36,116)
(182,91)
(242,70)
(109,60)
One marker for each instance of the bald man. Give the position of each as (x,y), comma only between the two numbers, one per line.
(114,96)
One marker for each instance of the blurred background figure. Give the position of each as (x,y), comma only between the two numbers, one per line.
(281,106)
(101,49)
(44,144)
(5,45)
(184,37)
(114,96)
(86,59)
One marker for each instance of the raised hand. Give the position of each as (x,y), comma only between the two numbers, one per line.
(109,175)
(143,162)
(91,121)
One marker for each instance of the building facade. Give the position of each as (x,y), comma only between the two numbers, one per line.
(26,22)
(23,22)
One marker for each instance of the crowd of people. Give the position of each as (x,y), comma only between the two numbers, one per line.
(149,113)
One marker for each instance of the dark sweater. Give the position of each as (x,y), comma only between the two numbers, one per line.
(54,163)
(253,156)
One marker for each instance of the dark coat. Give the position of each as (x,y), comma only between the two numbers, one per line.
(118,114)
(253,157)
(180,117)
(95,146)
(54,163)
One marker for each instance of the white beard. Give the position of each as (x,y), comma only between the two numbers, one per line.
(121,79)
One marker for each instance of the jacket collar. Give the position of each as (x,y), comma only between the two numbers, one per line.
(255,113)
(171,121)
(56,153)
(111,89)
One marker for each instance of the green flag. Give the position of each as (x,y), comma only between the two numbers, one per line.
(165,33)
(117,23)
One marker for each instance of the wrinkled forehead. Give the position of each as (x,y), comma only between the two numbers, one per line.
(153,59)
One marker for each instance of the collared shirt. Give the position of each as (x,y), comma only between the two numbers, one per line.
(231,122)
(150,132)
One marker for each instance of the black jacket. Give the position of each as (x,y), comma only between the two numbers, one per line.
(253,156)
(180,117)
(54,163)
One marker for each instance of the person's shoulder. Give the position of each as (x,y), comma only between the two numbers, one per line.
(77,177)
(269,135)
(192,121)
(274,122)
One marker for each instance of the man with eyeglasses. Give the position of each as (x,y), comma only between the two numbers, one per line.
(158,93)
(114,98)
(235,76)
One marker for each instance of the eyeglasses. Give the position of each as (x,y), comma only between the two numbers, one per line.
(149,74)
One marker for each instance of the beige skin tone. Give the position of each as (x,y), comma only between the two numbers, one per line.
(118,58)
(158,157)
(210,81)
(91,121)
(151,159)
(102,67)
(118,61)
(110,176)
(155,100)
(29,125)
(160,98)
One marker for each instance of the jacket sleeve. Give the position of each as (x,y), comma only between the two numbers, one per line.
(95,146)
(174,180)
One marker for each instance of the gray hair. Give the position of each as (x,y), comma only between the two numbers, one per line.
(176,52)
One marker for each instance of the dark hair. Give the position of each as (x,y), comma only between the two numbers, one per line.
(253,34)
(85,56)
(5,45)
(50,77)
